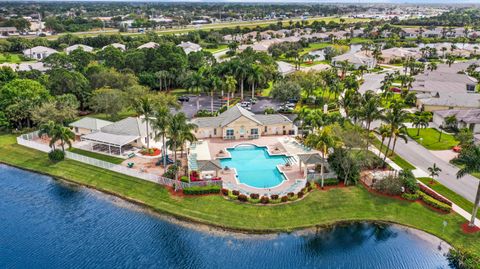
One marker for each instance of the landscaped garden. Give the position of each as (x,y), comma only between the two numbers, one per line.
(430,138)
(318,208)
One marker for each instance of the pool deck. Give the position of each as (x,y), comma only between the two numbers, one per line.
(276,145)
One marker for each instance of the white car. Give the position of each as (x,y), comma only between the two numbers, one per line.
(245,104)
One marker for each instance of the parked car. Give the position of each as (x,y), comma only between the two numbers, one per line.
(245,104)
(183,98)
(253,100)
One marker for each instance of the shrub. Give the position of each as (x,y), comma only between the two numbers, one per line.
(284,199)
(225,192)
(390,185)
(184,179)
(291,194)
(329,182)
(308,184)
(434,195)
(462,258)
(433,202)
(235,192)
(409,180)
(264,200)
(201,190)
(410,196)
(274,196)
(56,155)
(304,190)
(242,198)
(171,171)
(300,194)
(254,195)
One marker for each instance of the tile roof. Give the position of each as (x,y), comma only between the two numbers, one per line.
(464,115)
(133,126)
(90,123)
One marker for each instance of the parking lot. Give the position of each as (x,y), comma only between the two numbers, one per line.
(196,103)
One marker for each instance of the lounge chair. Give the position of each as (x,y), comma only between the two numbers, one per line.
(130,165)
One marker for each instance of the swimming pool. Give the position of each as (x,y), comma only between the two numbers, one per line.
(254,166)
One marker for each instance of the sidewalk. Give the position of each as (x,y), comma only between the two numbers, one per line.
(420,173)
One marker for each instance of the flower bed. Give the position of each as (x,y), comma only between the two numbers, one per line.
(434,195)
(427,199)
(151,152)
(255,198)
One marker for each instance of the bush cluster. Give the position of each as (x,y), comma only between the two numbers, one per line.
(329,182)
(225,192)
(264,200)
(462,258)
(235,192)
(201,190)
(390,185)
(434,195)
(254,195)
(300,194)
(274,196)
(284,199)
(56,155)
(433,202)
(171,171)
(242,198)
(291,194)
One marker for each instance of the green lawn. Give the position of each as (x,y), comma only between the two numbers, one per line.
(218,49)
(10,58)
(393,156)
(429,139)
(449,194)
(99,156)
(318,208)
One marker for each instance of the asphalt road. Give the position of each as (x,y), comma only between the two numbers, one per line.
(422,158)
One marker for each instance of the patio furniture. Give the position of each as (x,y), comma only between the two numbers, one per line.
(130,165)
(131,155)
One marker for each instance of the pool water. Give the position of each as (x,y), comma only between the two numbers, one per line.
(254,166)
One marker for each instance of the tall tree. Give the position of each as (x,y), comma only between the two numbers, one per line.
(146,106)
(470,159)
(160,125)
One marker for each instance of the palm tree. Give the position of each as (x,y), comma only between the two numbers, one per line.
(65,135)
(321,141)
(186,135)
(420,121)
(370,111)
(177,130)
(145,106)
(254,76)
(432,66)
(160,125)
(434,171)
(215,85)
(49,129)
(470,159)
(241,72)
(396,118)
(230,84)
(399,133)
(383,131)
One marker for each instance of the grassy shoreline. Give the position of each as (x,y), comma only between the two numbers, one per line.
(318,209)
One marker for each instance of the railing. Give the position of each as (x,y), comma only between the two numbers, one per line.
(229,137)
(27,140)
(318,176)
(253,136)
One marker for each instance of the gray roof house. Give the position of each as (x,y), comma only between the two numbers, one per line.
(467,118)
(238,122)
(116,45)
(189,47)
(86,48)
(38,52)
(355,59)
(148,45)
(91,124)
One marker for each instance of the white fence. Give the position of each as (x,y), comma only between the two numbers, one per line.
(27,140)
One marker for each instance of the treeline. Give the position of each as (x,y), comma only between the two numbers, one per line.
(460,17)
(111,79)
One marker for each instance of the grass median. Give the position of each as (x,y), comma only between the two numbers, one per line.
(431,140)
(318,208)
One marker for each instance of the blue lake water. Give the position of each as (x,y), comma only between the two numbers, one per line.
(254,166)
(47,224)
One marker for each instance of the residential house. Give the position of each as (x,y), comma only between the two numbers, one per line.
(7,31)
(38,52)
(86,48)
(189,47)
(467,118)
(117,46)
(355,59)
(27,66)
(409,32)
(392,54)
(88,125)
(148,45)
(239,123)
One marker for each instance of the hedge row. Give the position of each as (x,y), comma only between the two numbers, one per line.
(201,190)
(434,195)
(410,196)
(329,182)
(433,202)
(274,198)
